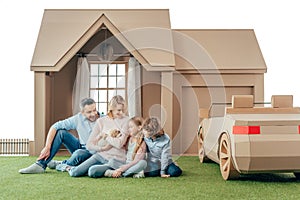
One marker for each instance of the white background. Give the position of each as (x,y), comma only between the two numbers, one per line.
(276,24)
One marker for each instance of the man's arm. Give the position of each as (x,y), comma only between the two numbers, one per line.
(45,153)
(67,124)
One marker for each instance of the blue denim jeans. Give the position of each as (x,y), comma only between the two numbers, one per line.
(115,164)
(83,168)
(97,171)
(141,165)
(153,169)
(62,137)
(78,157)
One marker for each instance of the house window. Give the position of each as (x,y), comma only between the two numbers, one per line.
(106,81)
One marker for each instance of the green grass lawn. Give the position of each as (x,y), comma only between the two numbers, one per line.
(198,181)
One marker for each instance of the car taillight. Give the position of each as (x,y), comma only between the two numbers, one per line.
(246,130)
(299,129)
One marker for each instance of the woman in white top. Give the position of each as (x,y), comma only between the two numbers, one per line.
(115,120)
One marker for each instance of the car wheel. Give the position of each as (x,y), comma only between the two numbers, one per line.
(202,157)
(226,165)
(297,175)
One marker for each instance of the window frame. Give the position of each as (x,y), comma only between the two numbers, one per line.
(107,88)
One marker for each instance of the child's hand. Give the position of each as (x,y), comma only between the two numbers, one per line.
(165,175)
(117,174)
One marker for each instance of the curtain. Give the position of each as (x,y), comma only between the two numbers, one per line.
(81,84)
(134,88)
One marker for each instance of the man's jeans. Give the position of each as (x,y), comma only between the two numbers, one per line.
(70,142)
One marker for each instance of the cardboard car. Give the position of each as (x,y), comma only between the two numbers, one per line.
(249,137)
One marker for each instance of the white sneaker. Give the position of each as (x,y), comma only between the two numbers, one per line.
(139,175)
(62,167)
(32,169)
(53,163)
(109,173)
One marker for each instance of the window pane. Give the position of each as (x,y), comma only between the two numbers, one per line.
(112,82)
(111,94)
(102,108)
(94,82)
(103,70)
(94,70)
(121,82)
(102,96)
(121,92)
(121,69)
(112,70)
(103,82)
(94,94)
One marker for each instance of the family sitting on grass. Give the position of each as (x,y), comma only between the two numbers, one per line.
(108,146)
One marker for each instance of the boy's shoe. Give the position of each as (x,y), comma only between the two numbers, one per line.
(53,163)
(109,173)
(32,169)
(62,167)
(139,175)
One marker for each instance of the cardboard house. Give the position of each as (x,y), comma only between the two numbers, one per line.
(181,70)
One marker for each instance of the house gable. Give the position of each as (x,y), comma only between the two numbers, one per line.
(64,32)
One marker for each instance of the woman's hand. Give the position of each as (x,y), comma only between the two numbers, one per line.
(117,173)
(165,175)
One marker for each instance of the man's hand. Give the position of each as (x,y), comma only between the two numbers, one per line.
(45,153)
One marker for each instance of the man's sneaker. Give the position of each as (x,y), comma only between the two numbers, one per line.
(62,167)
(53,163)
(139,175)
(32,169)
(109,173)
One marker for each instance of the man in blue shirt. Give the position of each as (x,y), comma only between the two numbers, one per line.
(58,134)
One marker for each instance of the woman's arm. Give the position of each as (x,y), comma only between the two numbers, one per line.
(92,143)
(106,147)
(120,141)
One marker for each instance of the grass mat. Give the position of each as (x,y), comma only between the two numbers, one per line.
(198,181)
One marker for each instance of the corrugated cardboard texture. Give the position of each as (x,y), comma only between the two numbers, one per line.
(242,101)
(282,101)
(203,113)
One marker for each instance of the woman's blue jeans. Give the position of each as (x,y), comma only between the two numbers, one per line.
(83,168)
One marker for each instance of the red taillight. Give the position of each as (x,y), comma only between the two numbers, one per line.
(299,129)
(246,130)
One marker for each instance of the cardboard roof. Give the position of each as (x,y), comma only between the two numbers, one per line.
(145,33)
(222,49)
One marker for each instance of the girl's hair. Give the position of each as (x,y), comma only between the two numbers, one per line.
(153,126)
(113,104)
(138,121)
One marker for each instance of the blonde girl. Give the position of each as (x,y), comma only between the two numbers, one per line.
(135,163)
